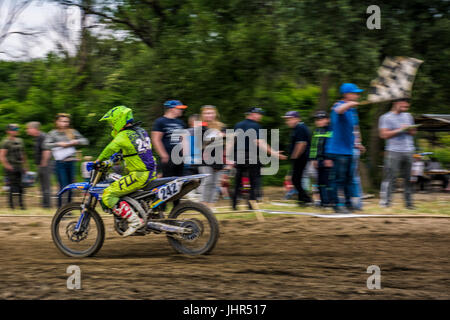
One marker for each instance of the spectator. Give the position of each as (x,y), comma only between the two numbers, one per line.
(225,183)
(434,165)
(62,141)
(246,144)
(13,159)
(85,174)
(289,187)
(245,181)
(42,157)
(259,186)
(418,172)
(164,139)
(212,141)
(357,192)
(299,153)
(340,146)
(397,128)
(192,153)
(321,161)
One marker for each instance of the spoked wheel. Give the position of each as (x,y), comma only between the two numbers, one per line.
(202,225)
(77,236)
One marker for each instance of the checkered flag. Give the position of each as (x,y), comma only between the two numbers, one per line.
(395,79)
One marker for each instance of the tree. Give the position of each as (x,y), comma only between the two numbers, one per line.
(10,12)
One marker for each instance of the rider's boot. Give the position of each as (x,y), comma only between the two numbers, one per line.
(124,210)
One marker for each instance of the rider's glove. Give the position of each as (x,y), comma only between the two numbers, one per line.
(92,165)
(116,157)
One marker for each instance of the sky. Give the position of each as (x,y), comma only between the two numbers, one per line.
(42,16)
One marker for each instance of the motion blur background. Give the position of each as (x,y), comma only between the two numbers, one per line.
(85,56)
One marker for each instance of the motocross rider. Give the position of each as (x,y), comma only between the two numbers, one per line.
(134,143)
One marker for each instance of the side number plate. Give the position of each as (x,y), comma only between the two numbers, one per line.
(169,190)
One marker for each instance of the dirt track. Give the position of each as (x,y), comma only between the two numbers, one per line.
(281,258)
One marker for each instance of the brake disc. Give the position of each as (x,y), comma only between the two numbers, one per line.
(196,226)
(74,236)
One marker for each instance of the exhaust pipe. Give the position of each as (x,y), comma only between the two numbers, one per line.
(158,226)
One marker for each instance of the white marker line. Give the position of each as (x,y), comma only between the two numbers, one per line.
(351,215)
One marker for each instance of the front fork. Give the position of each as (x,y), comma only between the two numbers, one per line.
(90,202)
(85,217)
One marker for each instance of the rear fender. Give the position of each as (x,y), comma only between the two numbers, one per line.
(187,187)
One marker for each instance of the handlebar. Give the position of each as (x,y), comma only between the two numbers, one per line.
(106,164)
(99,165)
(98,168)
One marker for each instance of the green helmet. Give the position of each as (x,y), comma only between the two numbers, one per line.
(118,117)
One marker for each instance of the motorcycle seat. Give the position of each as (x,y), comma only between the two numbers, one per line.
(158,182)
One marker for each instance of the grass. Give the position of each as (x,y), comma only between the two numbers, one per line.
(28,211)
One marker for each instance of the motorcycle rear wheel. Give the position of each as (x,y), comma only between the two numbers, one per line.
(204,225)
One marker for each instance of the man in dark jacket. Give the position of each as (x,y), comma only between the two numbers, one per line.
(317,154)
(246,146)
(299,152)
(166,135)
(42,158)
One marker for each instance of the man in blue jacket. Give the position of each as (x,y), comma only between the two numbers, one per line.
(340,146)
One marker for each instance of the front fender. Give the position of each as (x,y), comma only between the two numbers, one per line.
(78,185)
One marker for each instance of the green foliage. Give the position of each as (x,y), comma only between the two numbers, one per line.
(440,149)
(278,178)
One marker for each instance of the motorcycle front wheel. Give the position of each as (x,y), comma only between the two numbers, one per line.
(77,236)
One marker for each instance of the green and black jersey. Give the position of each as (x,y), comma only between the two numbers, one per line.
(319,139)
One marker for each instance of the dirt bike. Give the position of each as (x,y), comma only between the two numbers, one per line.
(191,228)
